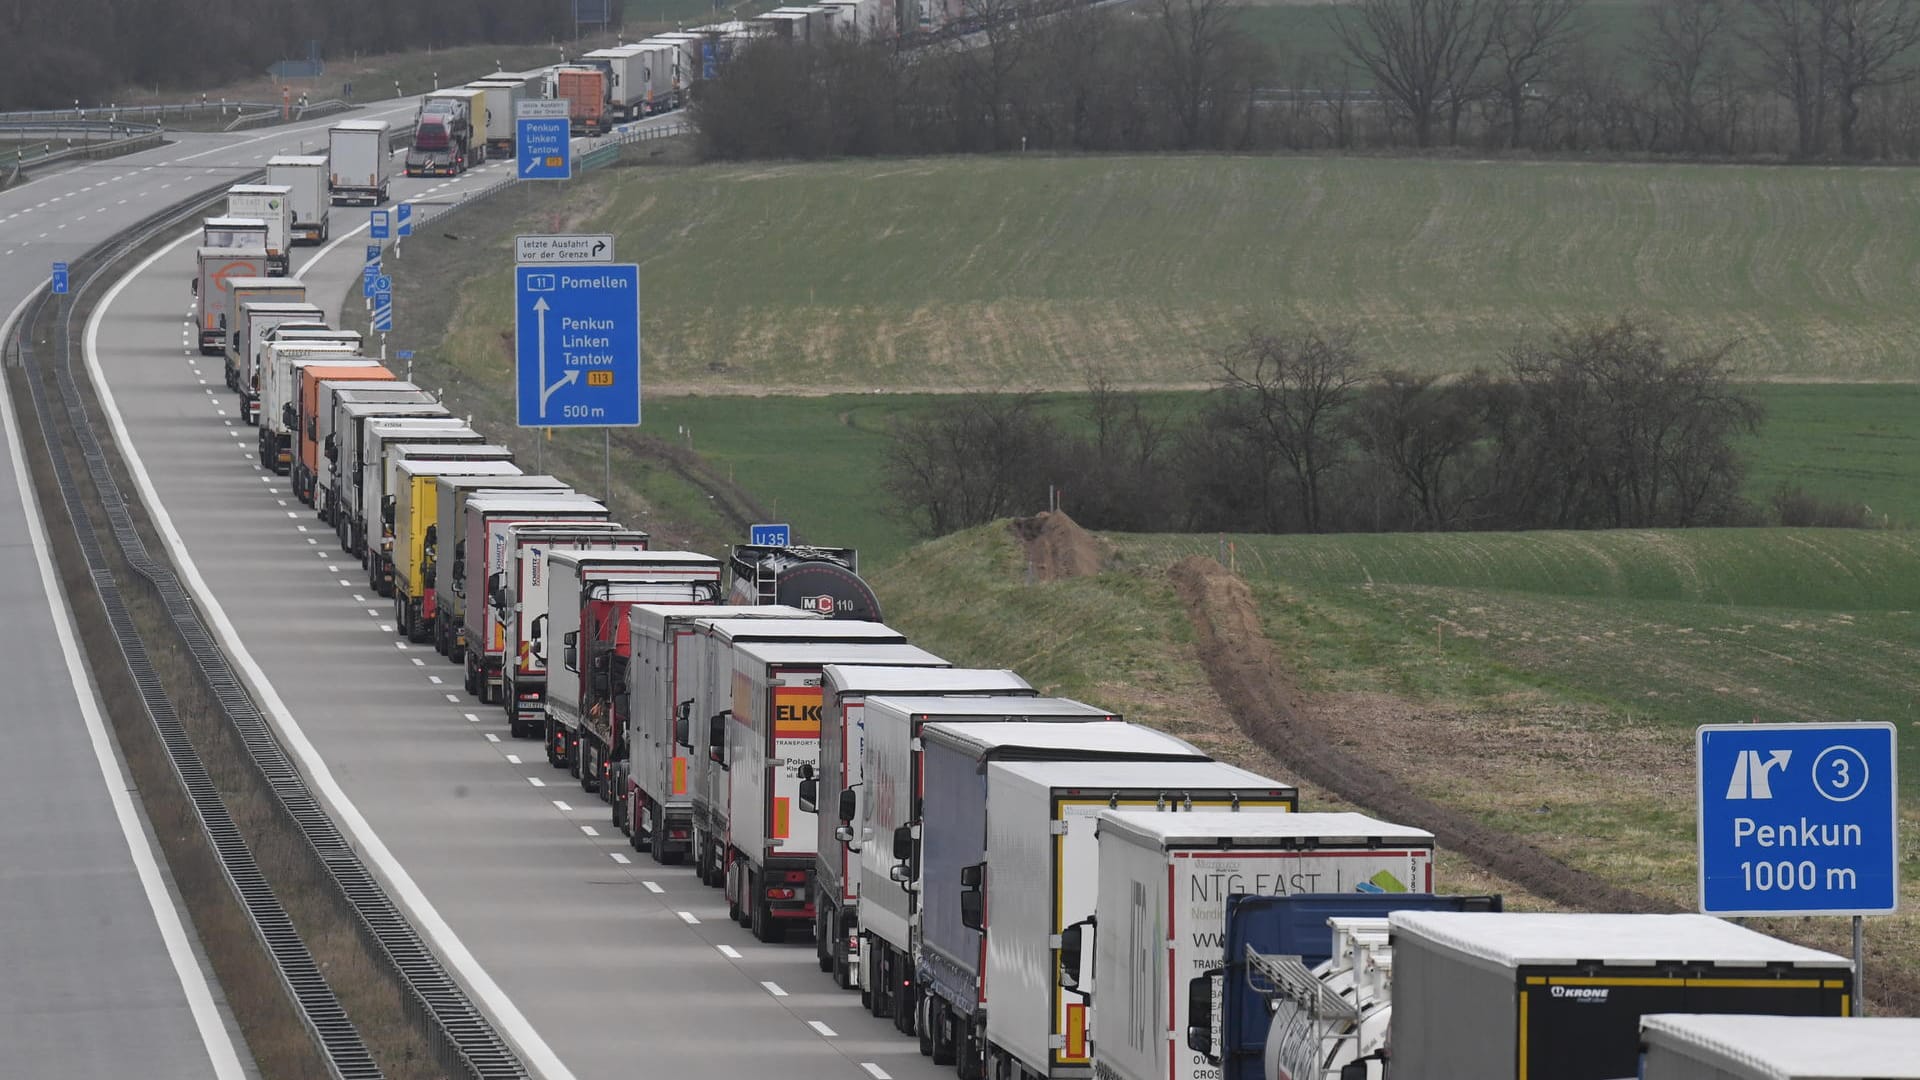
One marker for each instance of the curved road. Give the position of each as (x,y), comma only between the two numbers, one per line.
(596,962)
(103,973)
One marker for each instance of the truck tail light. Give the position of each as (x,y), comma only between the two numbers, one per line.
(779,894)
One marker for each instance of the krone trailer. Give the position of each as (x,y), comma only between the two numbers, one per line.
(242,291)
(887,836)
(487,533)
(588,592)
(364,470)
(305,177)
(1544,996)
(342,451)
(215,271)
(667,648)
(448,538)
(258,318)
(844,690)
(271,203)
(332,396)
(520,610)
(951,992)
(1683,1046)
(1037,879)
(1164,879)
(306,425)
(359,160)
(712,696)
(412,535)
(280,360)
(771,734)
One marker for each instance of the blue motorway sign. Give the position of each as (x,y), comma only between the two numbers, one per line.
(59,277)
(383,312)
(545,147)
(382,283)
(1798,819)
(378,227)
(769,535)
(403,219)
(373,254)
(576,333)
(369,275)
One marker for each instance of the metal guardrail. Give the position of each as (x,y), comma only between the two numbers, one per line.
(463,1040)
(609,149)
(151,113)
(10,170)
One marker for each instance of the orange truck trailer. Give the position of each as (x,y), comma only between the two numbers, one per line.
(306,435)
(585,89)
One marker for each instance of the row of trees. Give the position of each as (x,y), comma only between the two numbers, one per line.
(1773,78)
(54,52)
(1602,427)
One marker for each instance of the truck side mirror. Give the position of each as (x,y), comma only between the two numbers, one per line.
(194,286)
(683,726)
(496,591)
(1200,997)
(570,650)
(809,792)
(386,511)
(432,538)
(903,843)
(973,899)
(287,417)
(717,738)
(849,805)
(1072,942)
(537,631)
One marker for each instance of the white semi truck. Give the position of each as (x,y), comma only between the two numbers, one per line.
(273,204)
(360,163)
(305,178)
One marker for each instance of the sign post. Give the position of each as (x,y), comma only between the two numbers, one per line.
(576,336)
(1799,819)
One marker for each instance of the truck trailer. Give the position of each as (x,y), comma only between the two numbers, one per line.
(414,535)
(448,537)
(1532,996)
(762,744)
(844,690)
(1164,880)
(259,315)
(367,466)
(273,204)
(306,425)
(667,653)
(305,177)
(519,602)
(215,270)
(588,594)
(280,363)
(483,558)
(449,136)
(1688,1046)
(233,232)
(585,90)
(242,291)
(826,580)
(379,504)
(343,452)
(330,399)
(496,120)
(359,161)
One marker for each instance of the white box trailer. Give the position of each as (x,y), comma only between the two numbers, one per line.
(360,161)
(273,204)
(944,862)
(332,395)
(688,59)
(1691,1046)
(629,65)
(233,232)
(520,607)
(343,454)
(482,557)
(712,694)
(1040,876)
(496,119)
(451,494)
(588,594)
(375,529)
(770,743)
(889,802)
(360,453)
(258,318)
(242,291)
(666,86)
(1162,898)
(1530,995)
(305,177)
(837,786)
(280,359)
(665,665)
(215,269)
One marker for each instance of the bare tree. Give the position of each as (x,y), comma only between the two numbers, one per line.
(1794,41)
(1685,46)
(1527,39)
(1196,37)
(1422,433)
(1867,46)
(1297,387)
(1424,54)
(973,461)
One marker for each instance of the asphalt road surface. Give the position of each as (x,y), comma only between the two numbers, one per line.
(593,960)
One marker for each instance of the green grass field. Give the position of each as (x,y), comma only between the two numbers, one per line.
(1031,272)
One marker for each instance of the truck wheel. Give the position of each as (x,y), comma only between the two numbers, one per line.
(925,1018)
(760,915)
(730,876)
(970,1058)
(570,751)
(906,995)
(584,768)
(822,940)
(842,964)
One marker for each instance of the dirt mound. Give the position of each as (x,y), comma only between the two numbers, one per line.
(1057,547)
(1246,671)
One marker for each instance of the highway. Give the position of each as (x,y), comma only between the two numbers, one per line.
(103,973)
(595,962)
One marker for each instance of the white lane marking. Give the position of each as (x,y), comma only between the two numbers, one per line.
(400,645)
(417,662)
(590,830)
(505,1014)
(451,698)
(536,781)
(473,718)
(822,1028)
(653,886)
(688,917)
(291,513)
(774,989)
(491,737)
(302,528)
(193,981)
(435,680)
(346,583)
(619,858)
(513,759)
(561,804)
(385,628)
(358,599)
(876,1071)
(728,951)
